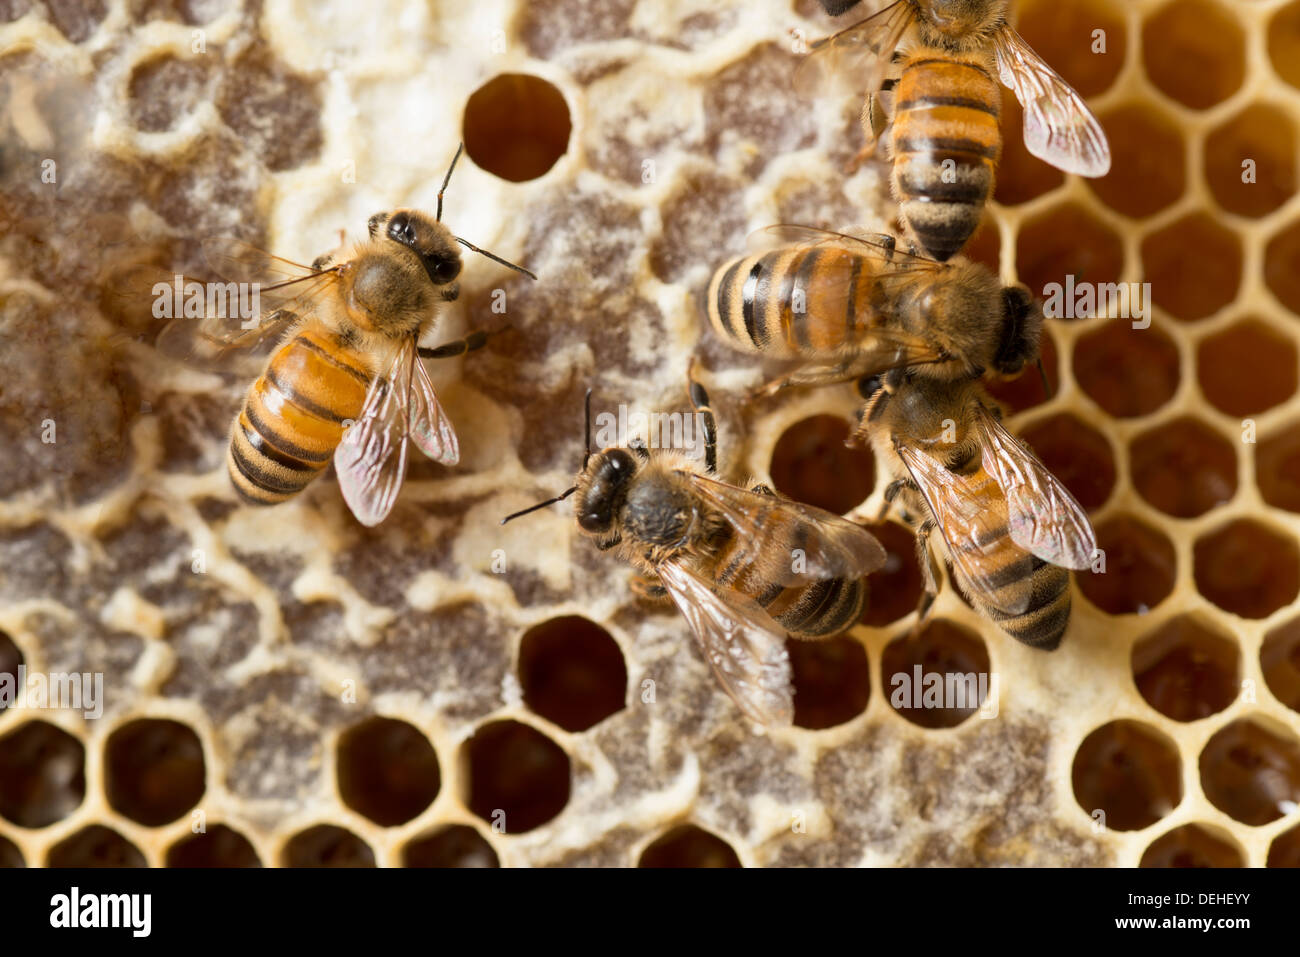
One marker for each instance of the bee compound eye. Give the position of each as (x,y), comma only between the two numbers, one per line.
(445,270)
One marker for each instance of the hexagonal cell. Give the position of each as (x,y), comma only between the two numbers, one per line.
(1277,469)
(218,846)
(1194,267)
(1250,161)
(153,770)
(1250,770)
(937,677)
(1063,33)
(257,85)
(1285,849)
(1066,241)
(1186,670)
(11,657)
(163,90)
(1247,568)
(1194,51)
(1246,368)
(1140,566)
(387,770)
(832,681)
(1193,845)
(10,856)
(1184,468)
(457,845)
(1284,43)
(95,846)
(1077,454)
(985,244)
(42,774)
(1021,176)
(326,845)
(1025,389)
(518,777)
(1129,772)
(572,672)
(516,126)
(895,589)
(1128,372)
(1148,161)
(1282,266)
(811,464)
(688,846)
(1279,659)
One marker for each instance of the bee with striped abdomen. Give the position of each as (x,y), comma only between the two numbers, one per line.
(745,567)
(945,141)
(345,381)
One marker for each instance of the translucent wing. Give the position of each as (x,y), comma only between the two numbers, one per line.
(770,529)
(431,429)
(1059,127)
(873,246)
(855,58)
(742,644)
(371,459)
(1044,517)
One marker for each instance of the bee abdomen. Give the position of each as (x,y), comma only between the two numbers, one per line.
(825,608)
(1042,624)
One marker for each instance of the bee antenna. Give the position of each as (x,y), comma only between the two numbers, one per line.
(495,258)
(447,179)
(1042,374)
(532,508)
(586,431)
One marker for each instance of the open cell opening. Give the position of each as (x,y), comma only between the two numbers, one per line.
(572,672)
(516,126)
(387,770)
(689,846)
(1186,670)
(1127,775)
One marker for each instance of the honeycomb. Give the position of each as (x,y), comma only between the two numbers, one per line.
(285,688)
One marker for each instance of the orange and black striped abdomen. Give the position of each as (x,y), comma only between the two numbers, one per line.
(293,415)
(946,146)
(794,302)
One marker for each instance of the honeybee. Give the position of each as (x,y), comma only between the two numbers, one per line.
(1011,528)
(345,381)
(848,307)
(946,141)
(745,567)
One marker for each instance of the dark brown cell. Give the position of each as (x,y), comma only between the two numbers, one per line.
(1282,266)
(1277,469)
(938,677)
(832,681)
(1251,771)
(572,672)
(1250,161)
(1186,670)
(1194,267)
(811,464)
(10,658)
(1148,161)
(516,126)
(387,770)
(1184,468)
(164,90)
(1128,771)
(1140,566)
(1285,849)
(153,770)
(1066,243)
(1284,43)
(1195,52)
(689,846)
(10,856)
(42,774)
(894,590)
(76,19)
(1247,368)
(1279,659)
(274,111)
(219,846)
(456,845)
(1025,389)
(985,244)
(1021,176)
(326,845)
(518,778)
(1063,33)
(1247,568)
(95,846)
(1128,372)
(1192,845)
(1075,453)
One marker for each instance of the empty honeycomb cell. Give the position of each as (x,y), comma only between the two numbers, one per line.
(1247,568)
(1021,176)
(1193,266)
(95,846)
(936,677)
(1282,266)
(42,774)
(1186,670)
(1148,163)
(1247,368)
(1192,845)
(326,845)
(1277,469)
(832,681)
(1128,372)
(1194,51)
(688,846)
(1285,849)
(163,91)
(10,658)
(811,464)
(10,856)
(1184,468)
(572,672)
(275,112)
(1075,453)
(1279,659)
(387,770)
(516,126)
(1251,771)
(518,777)
(456,845)
(1084,40)
(218,846)
(1127,775)
(1062,248)
(1026,390)
(894,589)
(1140,566)
(1284,43)
(1250,161)
(153,770)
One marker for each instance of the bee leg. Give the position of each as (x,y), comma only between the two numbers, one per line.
(892,491)
(648,588)
(457,347)
(925,557)
(830,373)
(609,543)
(761,489)
(700,403)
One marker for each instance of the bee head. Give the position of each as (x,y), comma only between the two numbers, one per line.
(603,489)
(958,18)
(430,240)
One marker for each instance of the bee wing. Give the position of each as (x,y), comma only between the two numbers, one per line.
(221,344)
(371,459)
(742,644)
(767,526)
(857,56)
(1044,517)
(431,429)
(868,246)
(1059,128)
